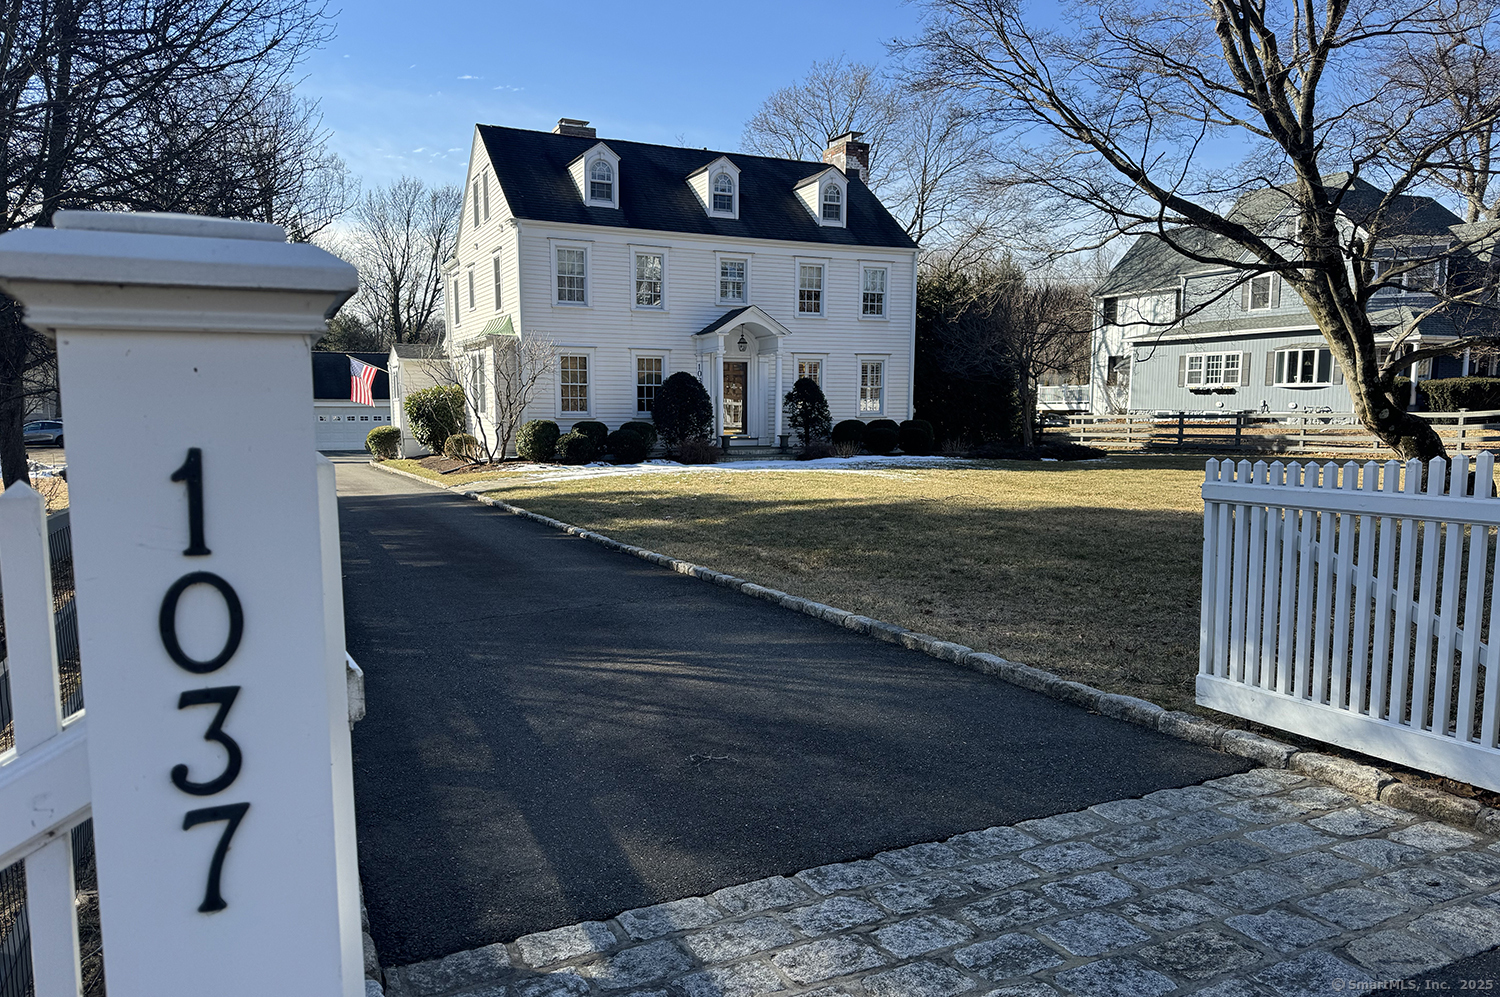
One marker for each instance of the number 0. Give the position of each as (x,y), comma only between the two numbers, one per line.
(169,622)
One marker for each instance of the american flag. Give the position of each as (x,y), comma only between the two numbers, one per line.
(361,381)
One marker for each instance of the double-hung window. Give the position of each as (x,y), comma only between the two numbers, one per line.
(470,274)
(648,279)
(456,308)
(732,281)
(1261,293)
(871,387)
(648,371)
(1308,365)
(572,276)
(476,203)
(486,179)
(833,203)
(601,181)
(495,266)
(724,193)
(575,384)
(1205,369)
(809,289)
(812,369)
(872,299)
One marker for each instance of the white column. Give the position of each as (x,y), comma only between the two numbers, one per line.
(719,391)
(195,334)
(1468,356)
(780,393)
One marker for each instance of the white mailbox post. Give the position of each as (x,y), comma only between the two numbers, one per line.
(209,597)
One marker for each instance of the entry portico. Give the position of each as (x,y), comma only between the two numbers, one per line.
(740,358)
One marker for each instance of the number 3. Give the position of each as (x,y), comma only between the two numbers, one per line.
(224,697)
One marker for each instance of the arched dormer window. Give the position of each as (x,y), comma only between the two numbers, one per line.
(833,204)
(601,181)
(724,193)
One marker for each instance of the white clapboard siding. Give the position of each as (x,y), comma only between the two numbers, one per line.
(1349,604)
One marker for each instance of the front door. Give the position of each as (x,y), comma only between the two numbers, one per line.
(734,397)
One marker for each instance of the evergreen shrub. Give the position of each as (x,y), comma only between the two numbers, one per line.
(384,442)
(537,440)
(575,448)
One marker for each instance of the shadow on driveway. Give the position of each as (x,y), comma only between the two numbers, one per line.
(558,732)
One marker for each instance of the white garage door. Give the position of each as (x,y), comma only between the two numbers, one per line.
(344,427)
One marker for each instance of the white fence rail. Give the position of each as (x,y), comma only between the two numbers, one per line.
(1354,604)
(1271,432)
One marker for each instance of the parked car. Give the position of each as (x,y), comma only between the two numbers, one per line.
(49,432)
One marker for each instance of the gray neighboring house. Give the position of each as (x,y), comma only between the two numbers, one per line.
(1176,335)
(413,367)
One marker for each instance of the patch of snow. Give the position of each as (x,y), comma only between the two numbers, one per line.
(837,465)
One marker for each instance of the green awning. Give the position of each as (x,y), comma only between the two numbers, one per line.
(499,326)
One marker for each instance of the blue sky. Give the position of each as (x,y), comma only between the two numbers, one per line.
(402,85)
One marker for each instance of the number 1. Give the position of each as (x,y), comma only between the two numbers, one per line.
(192,472)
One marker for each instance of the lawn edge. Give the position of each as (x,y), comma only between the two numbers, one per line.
(1364,781)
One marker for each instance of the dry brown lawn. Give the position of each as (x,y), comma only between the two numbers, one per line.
(1089,570)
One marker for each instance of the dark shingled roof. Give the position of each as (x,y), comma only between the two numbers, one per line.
(331,375)
(1152,263)
(654,194)
(722,321)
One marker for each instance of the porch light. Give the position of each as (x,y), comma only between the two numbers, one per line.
(743,343)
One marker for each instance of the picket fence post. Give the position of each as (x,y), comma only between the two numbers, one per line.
(209,602)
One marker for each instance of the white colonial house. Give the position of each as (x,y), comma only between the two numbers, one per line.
(637,261)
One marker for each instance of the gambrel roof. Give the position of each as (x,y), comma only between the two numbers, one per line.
(532,168)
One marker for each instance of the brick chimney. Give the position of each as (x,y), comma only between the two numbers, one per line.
(576,128)
(849,154)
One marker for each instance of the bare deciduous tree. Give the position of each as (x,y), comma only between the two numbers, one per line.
(927,154)
(500,376)
(89,90)
(400,237)
(1146,108)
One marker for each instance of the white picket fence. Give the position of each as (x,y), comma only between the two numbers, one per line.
(44,779)
(1353,604)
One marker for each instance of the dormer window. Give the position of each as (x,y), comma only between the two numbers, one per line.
(724,193)
(601,181)
(833,203)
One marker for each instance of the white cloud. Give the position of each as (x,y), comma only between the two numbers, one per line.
(466,76)
(508,88)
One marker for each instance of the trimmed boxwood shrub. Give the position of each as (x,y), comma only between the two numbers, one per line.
(575,448)
(880,440)
(646,430)
(849,431)
(384,442)
(682,410)
(807,412)
(462,446)
(434,414)
(1449,394)
(915,437)
(883,424)
(596,431)
(628,446)
(537,440)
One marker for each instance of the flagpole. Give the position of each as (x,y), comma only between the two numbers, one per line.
(367,363)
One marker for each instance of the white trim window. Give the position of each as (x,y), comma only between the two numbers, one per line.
(723,193)
(871,387)
(571,265)
(648,280)
(475,199)
(833,203)
(810,367)
(470,273)
(486,179)
(1261,293)
(601,181)
(649,371)
(809,289)
(573,383)
(1428,268)
(457,308)
(872,297)
(499,280)
(1304,366)
(732,281)
(1208,369)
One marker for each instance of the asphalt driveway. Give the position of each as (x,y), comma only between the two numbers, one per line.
(558,732)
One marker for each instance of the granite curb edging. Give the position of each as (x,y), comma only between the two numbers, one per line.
(1357,779)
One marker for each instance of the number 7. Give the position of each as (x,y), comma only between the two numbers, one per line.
(232,812)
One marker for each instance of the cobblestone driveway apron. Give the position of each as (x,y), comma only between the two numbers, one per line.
(1262,883)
